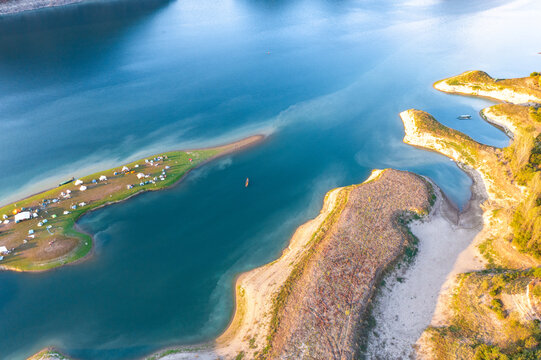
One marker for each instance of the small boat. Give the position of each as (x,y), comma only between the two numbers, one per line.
(66,182)
(464,117)
(247,182)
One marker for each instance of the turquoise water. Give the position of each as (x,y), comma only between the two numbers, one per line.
(88,86)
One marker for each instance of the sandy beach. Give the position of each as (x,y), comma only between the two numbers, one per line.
(406,305)
(255,291)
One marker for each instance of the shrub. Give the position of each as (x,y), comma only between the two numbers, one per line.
(535,113)
(486,352)
(526,222)
(536,291)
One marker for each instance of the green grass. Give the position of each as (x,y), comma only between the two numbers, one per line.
(463,339)
(64,225)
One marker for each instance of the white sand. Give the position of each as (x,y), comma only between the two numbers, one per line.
(403,309)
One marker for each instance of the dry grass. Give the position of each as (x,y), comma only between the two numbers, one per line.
(321,318)
(494,315)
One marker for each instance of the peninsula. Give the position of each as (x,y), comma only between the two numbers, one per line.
(40,232)
(524,90)
(492,311)
(312,302)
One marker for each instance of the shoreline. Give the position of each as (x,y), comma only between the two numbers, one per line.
(494,194)
(251,303)
(409,298)
(495,91)
(233,147)
(255,290)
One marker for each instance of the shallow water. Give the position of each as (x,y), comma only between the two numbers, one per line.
(88,86)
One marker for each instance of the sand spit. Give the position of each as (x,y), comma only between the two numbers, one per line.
(322,315)
(61,207)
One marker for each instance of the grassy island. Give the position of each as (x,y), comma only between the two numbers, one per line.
(40,232)
(493,313)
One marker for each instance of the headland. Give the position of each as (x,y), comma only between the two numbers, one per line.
(491,310)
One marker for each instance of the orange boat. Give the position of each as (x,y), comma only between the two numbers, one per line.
(247,182)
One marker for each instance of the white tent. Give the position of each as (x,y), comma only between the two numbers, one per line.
(103,178)
(83,188)
(25,215)
(78,182)
(140,175)
(3,250)
(125,168)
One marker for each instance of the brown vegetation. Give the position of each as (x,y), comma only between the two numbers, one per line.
(321,317)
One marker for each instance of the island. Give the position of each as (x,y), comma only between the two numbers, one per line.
(40,232)
(492,311)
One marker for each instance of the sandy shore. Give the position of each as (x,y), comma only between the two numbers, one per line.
(417,296)
(491,91)
(255,291)
(404,307)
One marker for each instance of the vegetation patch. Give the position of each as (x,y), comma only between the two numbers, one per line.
(319,309)
(39,232)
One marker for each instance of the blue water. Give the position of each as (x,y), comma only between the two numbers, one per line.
(87,86)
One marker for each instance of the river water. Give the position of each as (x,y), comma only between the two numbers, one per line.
(88,86)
